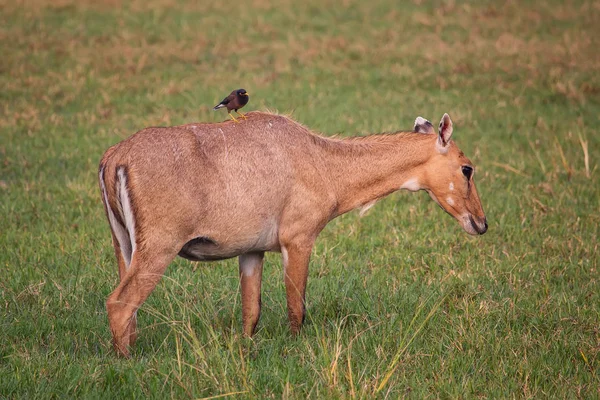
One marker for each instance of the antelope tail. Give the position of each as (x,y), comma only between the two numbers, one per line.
(121,219)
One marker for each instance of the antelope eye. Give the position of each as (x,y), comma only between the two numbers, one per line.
(467,171)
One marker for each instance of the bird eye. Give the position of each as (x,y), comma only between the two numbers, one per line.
(467,171)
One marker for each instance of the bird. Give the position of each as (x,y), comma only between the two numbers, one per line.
(236,100)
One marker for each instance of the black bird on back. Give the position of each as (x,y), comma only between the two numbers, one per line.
(236,100)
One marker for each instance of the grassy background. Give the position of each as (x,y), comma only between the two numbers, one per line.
(401,302)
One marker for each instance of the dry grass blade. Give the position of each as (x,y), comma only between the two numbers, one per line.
(350,379)
(220,396)
(586,156)
(565,163)
(405,344)
(537,155)
(507,167)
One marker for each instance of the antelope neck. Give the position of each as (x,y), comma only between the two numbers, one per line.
(365,169)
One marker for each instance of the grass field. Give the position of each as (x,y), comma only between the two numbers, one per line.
(401,302)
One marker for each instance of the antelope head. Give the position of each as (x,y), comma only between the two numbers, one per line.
(448,178)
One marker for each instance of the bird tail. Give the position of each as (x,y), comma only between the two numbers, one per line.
(218,106)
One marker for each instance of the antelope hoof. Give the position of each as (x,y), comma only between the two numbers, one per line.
(296,325)
(121,348)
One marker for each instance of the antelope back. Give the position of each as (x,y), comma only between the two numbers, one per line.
(198,183)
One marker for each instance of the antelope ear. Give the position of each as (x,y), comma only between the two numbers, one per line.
(445,131)
(423,126)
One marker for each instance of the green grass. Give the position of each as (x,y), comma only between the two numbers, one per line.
(401,302)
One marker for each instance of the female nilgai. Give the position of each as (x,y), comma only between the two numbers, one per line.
(220,190)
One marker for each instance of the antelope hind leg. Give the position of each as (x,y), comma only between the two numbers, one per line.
(140,280)
(251,266)
(131,327)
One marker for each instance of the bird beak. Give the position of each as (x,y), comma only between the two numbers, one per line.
(245,94)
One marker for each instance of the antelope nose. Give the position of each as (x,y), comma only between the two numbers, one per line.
(485,226)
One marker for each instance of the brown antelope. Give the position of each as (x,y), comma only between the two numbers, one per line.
(218,190)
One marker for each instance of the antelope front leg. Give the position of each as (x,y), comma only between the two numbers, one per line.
(295,267)
(251,265)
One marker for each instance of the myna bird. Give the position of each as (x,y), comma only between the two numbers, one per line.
(236,100)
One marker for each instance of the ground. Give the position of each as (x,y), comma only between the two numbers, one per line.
(401,302)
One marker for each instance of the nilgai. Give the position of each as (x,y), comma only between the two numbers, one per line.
(211,191)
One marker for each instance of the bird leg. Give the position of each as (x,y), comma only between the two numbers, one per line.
(241,115)
(233,118)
